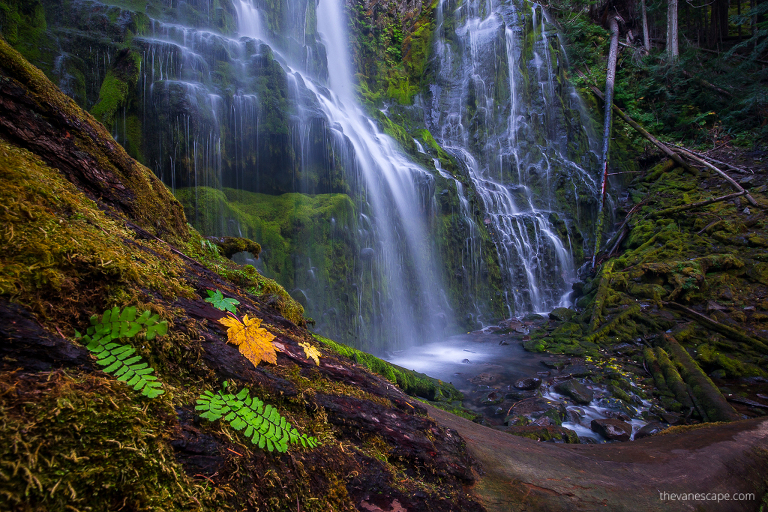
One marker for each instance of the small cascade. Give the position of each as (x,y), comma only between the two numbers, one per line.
(501,108)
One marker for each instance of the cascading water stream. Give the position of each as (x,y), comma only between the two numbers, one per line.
(495,107)
(398,271)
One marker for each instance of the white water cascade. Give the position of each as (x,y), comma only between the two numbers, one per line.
(499,106)
(397,272)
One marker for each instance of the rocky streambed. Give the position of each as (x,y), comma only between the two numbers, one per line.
(547,397)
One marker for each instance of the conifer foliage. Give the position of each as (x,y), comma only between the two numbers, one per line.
(119,359)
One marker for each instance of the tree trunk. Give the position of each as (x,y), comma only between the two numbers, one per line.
(718,27)
(646,35)
(610,80)
(672,39)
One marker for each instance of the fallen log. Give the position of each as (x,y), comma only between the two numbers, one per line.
(691,206)
(731,332)
(730,180)
(713,160)
(642,131)
(706,84)
(710,399)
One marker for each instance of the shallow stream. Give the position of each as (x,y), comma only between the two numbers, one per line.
(485,366)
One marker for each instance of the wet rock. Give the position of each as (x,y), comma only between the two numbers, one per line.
(533,317)
(518,395)
(578,370)
(612,429)
(528,384)
(718,374)
(562,314)
(650,429)
(555,364)
(672,418)
(484,379)
(551,433)
(575,390)
(528,411)
(618,406)
(466,361)
(492,398)
(575,415)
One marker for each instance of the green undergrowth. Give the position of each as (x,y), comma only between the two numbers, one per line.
(411,382)
(708,260)
(673,101)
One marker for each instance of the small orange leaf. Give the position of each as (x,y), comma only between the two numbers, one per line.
(311,352)
(254,342)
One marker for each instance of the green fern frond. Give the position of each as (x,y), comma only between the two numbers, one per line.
(118,359)
(263,425)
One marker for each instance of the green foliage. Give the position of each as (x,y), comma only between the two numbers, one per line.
(119,359)
(219,302)
(264,425)
(415,384)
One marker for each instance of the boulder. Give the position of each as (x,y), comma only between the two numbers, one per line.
(528,384)
(612,429)
(562,314)
(552,433)
(576,391)
(492,398)
(650,429)
(519,395)
(528,411)
(578,370)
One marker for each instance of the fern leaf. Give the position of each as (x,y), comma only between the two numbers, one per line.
(264,426)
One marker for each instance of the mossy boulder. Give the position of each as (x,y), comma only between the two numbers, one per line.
(576,391)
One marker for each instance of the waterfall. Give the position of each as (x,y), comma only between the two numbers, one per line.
(248,111)
(500,106)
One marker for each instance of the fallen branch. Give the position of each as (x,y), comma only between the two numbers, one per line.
(642,131)
(691,206)
(622,231)
(706,84)
(731,332)
(730,180)
(713,160)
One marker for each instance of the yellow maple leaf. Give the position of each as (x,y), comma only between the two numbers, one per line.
(311,352)
(254,342)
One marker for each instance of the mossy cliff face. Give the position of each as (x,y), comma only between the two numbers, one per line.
(73,436)
(308,244)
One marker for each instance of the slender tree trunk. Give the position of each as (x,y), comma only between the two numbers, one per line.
(646,35)
(672,41)
(610,80)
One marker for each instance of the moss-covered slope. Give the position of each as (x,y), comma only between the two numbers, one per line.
(86,228)
(683,303)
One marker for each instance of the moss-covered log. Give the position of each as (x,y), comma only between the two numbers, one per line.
(704,390)
(729,331)
(673,379)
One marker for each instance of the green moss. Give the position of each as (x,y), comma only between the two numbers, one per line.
(74,441)
(413,383)
(55,240)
